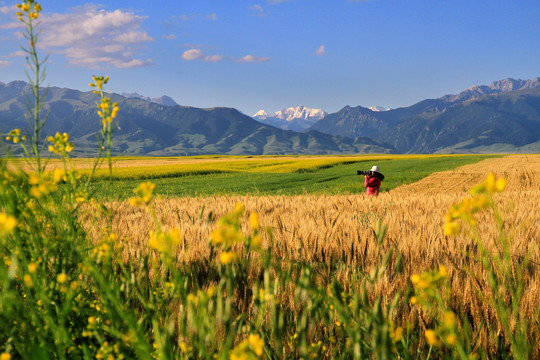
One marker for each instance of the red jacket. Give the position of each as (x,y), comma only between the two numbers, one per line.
(372,185)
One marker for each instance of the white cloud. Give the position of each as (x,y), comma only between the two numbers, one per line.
(258,10)
(169,37)
(89,36)
(6,9)
(212,16)
(135,63)
(214,58)
(253,59)
(19,53)
(198,54)
(193,54)
(5,63)
(320,51)
(274,2)
(12,25)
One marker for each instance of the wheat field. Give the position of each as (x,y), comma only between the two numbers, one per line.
(330,230)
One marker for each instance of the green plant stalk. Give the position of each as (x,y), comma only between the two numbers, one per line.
(38,73)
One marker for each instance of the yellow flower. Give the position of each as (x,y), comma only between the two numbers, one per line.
(81,197)
(443,271)
(415,278)
(256,343)
(423,284)
(7,223)
(254,220)
(28,280)
(451,228)
(165,243)
(58,175)
(397,334)
(228,257)
(144,192)
(451,339)
(500,185)
(449,319)
(135,201)
(5,356)
(432,338)
(62,278)
(192,299)
(256,241)
(32,268)
(217,237)
(239,208)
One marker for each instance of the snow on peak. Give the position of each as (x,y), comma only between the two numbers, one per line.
(300,112)
(298,118)
(261,115)
(292,114)
(378,108)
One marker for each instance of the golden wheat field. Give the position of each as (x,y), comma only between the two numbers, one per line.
(330,230)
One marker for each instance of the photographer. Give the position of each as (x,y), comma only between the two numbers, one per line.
(372,181)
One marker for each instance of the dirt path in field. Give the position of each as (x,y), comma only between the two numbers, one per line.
(521,171)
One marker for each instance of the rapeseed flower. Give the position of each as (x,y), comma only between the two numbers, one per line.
(228,257)
(249,348)
(256,343)
(29,7)
(7,223)
(254,220)
(60,144)
(432,338)
(145,194)
(28,280)
(165,242)
(451,339)
(15,136)
(466,209)
(62,278)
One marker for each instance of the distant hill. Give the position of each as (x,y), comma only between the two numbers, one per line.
(504,121)
(147,128)
(162,100)
(500,117)
(298,118)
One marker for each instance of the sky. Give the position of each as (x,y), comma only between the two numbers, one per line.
(274,54)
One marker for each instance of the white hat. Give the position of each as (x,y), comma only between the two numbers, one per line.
(375,168)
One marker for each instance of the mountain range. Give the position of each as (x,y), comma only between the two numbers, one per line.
(298,118)
(501,117)
(147,128)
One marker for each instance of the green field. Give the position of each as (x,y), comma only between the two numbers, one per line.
(276,177)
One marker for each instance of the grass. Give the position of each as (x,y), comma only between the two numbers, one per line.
(260,177)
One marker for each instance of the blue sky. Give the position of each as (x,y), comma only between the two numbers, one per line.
(272,54)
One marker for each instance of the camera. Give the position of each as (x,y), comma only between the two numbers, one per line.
(370,173)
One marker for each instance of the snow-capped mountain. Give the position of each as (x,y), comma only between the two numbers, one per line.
(378,108)
(163,100)
(297,118)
